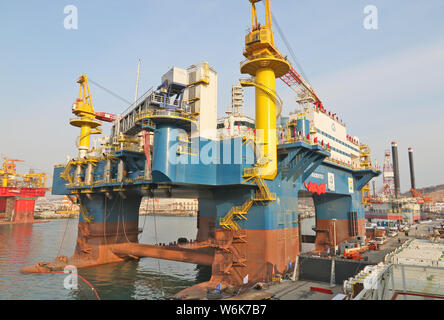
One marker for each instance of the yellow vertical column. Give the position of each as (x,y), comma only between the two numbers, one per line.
(85,137)
(266,121)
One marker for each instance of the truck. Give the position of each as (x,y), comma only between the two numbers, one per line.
(380,240)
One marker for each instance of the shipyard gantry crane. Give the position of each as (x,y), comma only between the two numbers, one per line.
(420,195)
(9,170)
(35,180)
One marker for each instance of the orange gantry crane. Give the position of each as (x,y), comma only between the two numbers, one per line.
(420,195)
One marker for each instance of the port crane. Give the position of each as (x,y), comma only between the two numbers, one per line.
(9,170)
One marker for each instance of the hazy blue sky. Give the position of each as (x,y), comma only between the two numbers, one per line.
(386,84)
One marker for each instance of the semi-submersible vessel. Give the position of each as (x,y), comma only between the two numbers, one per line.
(167,145)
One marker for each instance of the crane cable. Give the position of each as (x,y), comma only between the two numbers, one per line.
(107,214)
(123,220)
(157,243)
(63,238)
(110,92)
(289,48)
(143,226)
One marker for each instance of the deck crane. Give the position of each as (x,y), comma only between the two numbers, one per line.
(86,117)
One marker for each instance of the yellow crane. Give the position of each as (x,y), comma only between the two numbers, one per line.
(9,170)
(8,173)
(35,180)
(86,117)
(265,64)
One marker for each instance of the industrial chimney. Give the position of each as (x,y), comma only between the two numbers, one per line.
(412,169)
(396,168)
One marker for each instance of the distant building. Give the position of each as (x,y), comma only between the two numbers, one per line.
(169,207)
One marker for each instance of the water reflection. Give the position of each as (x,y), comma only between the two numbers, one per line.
(16,238)
(23,245)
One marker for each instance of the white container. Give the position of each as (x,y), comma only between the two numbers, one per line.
(176,75)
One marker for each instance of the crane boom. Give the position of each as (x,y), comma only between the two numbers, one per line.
(295,81)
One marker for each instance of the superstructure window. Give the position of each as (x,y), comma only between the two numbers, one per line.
(244,124)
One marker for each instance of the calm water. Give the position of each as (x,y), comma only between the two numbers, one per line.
(24,245)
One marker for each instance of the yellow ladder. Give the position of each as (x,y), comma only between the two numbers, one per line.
(262,195)
(239,212)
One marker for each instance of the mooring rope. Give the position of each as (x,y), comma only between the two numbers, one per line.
(143,226)
(123,220)
(157,243)
(63,238)
(107,214)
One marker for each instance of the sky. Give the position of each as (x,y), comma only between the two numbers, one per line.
(385,84)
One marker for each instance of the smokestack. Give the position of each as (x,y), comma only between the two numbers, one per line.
(396,168)
(412,169)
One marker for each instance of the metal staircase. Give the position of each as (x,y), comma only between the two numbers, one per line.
(263,194)
(228,222)
(236,250)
